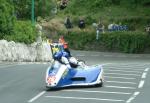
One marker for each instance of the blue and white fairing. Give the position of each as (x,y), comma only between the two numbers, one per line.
(58,75)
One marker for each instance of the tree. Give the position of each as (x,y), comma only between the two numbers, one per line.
(23,8)
(7,18)
(43,8)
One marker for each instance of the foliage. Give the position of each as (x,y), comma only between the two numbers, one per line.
(146,2)
(24,32)
(78,40)
(42,8)
(7,18)
(94,5)
(10,28)
(22,8)
(127,12)
(128,42)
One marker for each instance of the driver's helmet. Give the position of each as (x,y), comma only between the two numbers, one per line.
(73,62)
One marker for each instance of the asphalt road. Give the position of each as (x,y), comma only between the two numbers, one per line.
(127,79)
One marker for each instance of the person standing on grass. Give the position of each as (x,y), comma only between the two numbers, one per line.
(68,23)
(100,29)
(81,24)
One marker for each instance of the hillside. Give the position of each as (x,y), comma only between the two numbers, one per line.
(134,13)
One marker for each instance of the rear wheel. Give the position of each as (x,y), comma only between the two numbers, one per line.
(81,61)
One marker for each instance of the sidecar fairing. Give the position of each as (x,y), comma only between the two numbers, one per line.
(58,75)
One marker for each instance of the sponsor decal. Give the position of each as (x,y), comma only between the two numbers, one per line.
(51,79)
(65,73)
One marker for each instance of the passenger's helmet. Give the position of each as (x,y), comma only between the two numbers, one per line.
(73,62)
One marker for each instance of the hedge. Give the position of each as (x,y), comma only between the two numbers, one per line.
(127,42)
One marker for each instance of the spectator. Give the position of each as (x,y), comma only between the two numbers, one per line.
(94,25)
(112,27)
(81,24)
(100,29)
(116,27)
(63,4)
(68,23)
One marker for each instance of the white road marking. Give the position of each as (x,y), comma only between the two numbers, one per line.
(121,82)
(131,64)
(136,56)
(80,55)
(123,71)
(36,97)
(119,87)
(118,77)
(10,65)
(96,55)
(144,75)
(114,68)
(5,63)
(133,97)
(127,66)
(122,56)
(123,74)
(141,84)
(108,55)
(106,64)
(80,98)
(89,91)
(146,70)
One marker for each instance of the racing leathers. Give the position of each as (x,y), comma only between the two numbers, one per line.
(62,57)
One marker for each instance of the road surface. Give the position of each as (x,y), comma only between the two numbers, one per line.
(127,79)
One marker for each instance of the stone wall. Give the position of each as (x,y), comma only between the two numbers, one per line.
(36,52)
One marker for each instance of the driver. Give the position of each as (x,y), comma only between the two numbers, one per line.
(65,44)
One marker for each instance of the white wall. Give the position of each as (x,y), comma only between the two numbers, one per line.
(11,51)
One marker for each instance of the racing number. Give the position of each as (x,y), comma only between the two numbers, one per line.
(51,79)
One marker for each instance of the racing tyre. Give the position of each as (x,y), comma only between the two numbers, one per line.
(100,84)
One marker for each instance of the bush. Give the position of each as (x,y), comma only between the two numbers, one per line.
(7,18)
(43,8)
(90,19)
(79,40)
(24,32)
(146,3)
(127,42)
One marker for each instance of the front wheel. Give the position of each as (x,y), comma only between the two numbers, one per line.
(100,84)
